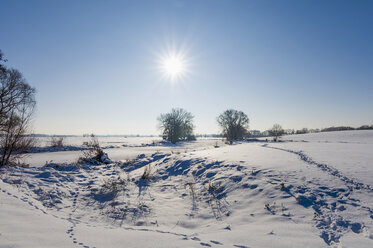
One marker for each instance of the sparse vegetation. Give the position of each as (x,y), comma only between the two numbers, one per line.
(270,208)
(192,190)
(113,185)
(56,141)
(94,153)
(50,197)
(216,200)
(147,174)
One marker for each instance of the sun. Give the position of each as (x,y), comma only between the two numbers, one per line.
(173,66)
(173,62)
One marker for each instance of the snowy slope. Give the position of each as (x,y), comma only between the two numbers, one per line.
(244,195)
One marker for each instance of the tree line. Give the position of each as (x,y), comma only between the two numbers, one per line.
(177,125)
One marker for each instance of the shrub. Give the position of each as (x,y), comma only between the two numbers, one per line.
(57,141)
(94,153)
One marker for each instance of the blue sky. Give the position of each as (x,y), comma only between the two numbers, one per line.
(95,64)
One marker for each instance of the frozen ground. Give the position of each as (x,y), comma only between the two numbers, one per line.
(313,191)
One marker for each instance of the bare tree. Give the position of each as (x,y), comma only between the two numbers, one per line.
(276,131)
(176,125)
(2,67)
(17,104)
(234,124)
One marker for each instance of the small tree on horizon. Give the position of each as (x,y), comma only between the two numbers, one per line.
(276,131)
(176,125)
(234,124)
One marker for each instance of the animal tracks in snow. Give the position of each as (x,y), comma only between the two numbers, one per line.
(330,204)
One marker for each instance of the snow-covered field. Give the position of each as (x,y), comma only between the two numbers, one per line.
(313,190)
(118,148)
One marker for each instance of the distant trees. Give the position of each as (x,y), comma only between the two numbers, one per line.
(17,103)
(276,131)
(234,124)
(332,129)
(340,128)
(365,127)
(302,131)
(346,128)
(176,125)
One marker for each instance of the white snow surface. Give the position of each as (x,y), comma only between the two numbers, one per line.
(313,190)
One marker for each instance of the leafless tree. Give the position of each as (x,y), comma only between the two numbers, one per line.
(276,131)
(2,67)
(234,124)
(17,104)
(176,125)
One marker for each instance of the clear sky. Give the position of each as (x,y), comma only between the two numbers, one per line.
(95,64)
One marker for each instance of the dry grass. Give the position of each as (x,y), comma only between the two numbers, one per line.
(57,141)
(94,151)
(147,175)
(113,185)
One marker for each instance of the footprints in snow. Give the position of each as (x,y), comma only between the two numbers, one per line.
(24,199)
(71,230)
(351,183)
(328,203)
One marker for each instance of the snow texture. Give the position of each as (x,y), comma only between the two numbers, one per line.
(313,190)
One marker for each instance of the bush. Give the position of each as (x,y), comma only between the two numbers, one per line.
(57,141)
(94,153)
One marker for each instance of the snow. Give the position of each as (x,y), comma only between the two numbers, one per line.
(132,148)
(311,190)
(356,136)
(351,152)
